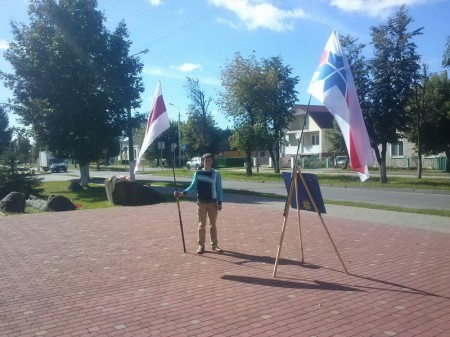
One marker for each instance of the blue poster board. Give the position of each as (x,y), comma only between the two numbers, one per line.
(305,202)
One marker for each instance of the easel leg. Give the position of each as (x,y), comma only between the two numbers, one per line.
(321,219)
(298,216)
(285,214)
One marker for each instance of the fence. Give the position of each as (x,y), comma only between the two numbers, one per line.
(431,163)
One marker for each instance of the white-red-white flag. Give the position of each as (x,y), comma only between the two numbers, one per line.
(158,122)
(333,85)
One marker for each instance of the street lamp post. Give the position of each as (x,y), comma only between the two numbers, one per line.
(179,134)
(130,130)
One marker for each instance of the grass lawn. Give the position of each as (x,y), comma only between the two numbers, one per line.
(92,197)
(95,197)
(341,180)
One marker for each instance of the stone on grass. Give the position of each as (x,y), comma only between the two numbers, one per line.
(121,191)
(59,203)
(14,202)
(75,187)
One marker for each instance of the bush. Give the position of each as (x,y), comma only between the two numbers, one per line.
(17,179)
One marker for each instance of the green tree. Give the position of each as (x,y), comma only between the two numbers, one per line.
(436,122)
(259,95)
(417,110)
(241,79)
(5,131)
(446,56)
(15,179)
(22,146)
(393,69)
(73,80)
(279,98)
(336,140)
(199,132)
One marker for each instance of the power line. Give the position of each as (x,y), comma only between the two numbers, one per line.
(182,28)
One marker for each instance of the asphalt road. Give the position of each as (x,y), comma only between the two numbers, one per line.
(421,199)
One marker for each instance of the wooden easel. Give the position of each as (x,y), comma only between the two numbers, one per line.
(294,184)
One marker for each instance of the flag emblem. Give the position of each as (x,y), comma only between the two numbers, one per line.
(332,71)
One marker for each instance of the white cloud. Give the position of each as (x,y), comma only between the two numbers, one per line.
(187,67)
(262,14)
(374,8)
(227,22)
(4,45)
(155,2)
(155,71)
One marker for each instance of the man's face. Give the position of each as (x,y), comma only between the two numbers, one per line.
(208,163)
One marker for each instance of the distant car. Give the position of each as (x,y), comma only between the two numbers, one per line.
(341,160)
(195,163)
(58,165)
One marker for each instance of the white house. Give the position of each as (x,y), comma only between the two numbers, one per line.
(313,141)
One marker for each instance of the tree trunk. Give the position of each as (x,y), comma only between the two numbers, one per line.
(277,157)
(419,146)
(84,175)
(257,160)
(272,156)
(381,160)
(248,160)
(447,153)
(383,173)
(419,161)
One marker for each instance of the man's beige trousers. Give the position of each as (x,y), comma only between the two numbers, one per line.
(204,210)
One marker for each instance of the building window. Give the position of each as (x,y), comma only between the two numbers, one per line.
(262,153)
(315,139)
(397,149)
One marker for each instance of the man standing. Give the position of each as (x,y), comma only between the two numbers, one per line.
(208,184)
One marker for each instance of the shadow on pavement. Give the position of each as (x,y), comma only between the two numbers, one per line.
(273,282)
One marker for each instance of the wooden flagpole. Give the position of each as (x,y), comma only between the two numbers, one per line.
(289,198)
(179,211)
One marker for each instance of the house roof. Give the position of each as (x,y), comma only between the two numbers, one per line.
(319,113)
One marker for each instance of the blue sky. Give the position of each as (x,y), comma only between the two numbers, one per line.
(196,38)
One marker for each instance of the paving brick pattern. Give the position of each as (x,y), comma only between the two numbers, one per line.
(122,272)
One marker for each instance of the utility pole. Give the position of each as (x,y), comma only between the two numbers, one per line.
(179,134)
(130,130)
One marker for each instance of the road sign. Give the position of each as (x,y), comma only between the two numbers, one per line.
(161,145)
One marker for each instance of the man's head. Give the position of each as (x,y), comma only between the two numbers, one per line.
(207,160)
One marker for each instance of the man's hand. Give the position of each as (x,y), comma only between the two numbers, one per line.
(177,194)
(219,207)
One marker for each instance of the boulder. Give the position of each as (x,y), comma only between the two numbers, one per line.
(59,203)
(75,187)
(14,202)
(121,191)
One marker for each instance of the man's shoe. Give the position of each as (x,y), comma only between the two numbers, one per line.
(200,250)
(217,249)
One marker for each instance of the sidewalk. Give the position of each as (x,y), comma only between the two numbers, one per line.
(122,272)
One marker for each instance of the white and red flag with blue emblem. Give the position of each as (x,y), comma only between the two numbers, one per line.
(333,85)
(158,122)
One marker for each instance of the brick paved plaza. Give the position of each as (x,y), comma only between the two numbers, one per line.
(122,272)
